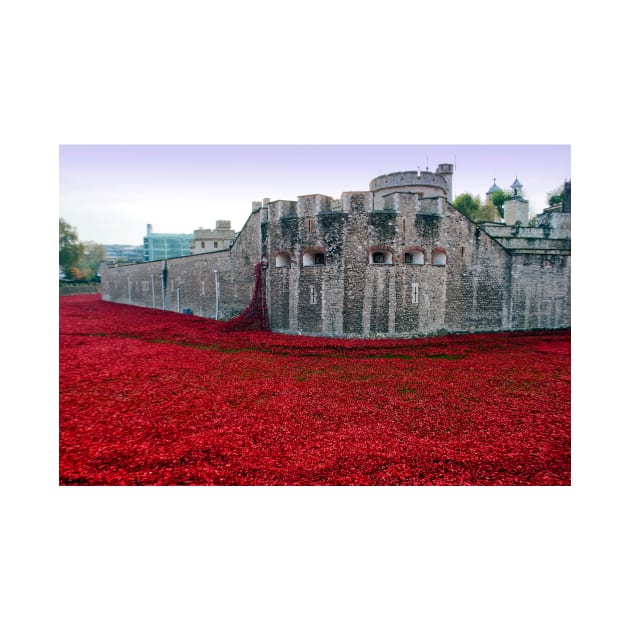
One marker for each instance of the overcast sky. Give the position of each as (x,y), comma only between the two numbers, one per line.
(109,193)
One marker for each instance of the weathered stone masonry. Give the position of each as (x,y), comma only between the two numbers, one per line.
(395,261)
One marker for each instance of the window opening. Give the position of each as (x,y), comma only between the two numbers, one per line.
(381,257)
(283,260)
(438,258)
(313,296)
(414,293)
(309,259)
(414,257)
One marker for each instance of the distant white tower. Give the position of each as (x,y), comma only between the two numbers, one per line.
(516,209)
(517,187)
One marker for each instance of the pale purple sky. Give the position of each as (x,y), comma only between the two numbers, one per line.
(111,192)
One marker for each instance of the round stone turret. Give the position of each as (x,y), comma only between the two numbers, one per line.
(424,182)
(408,178)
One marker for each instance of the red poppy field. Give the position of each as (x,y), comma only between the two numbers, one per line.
(149,397)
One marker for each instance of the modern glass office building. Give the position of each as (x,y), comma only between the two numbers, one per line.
(161,246)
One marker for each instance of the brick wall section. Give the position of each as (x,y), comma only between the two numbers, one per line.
(354,297)
(191,279)
(354,264)
(540,295)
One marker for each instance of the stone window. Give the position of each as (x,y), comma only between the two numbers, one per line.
(414,293)
(203,245)
(216,244)
(313,294)
(381,257)
(312,259)
(309,225)
(438,257)
(414,257)
(283,260)
(404,224)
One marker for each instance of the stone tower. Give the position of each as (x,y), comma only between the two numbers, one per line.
(516,209)
(446,171)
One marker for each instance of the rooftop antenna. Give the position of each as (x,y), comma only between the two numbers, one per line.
(427,162)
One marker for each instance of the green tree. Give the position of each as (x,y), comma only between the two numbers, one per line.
(498,198)
(472,208)
(485,213)
(89,263)
(467,204)
(556,196)
(70,250)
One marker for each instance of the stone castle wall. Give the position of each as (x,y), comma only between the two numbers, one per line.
(350,295)
(353,268)
(190,281)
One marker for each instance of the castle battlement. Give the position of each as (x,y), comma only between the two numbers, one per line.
(308,205)
(279,209)
(407,178)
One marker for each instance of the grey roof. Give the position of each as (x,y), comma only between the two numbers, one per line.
(494,188)
(517,184)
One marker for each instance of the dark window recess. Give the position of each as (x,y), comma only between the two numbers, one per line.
(318,259)
(378,257)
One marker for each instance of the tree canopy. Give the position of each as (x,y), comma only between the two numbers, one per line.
(70,249)
(470,206)
(78,261)
(498,198)
(556,196)
(93,254)
(467,204)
